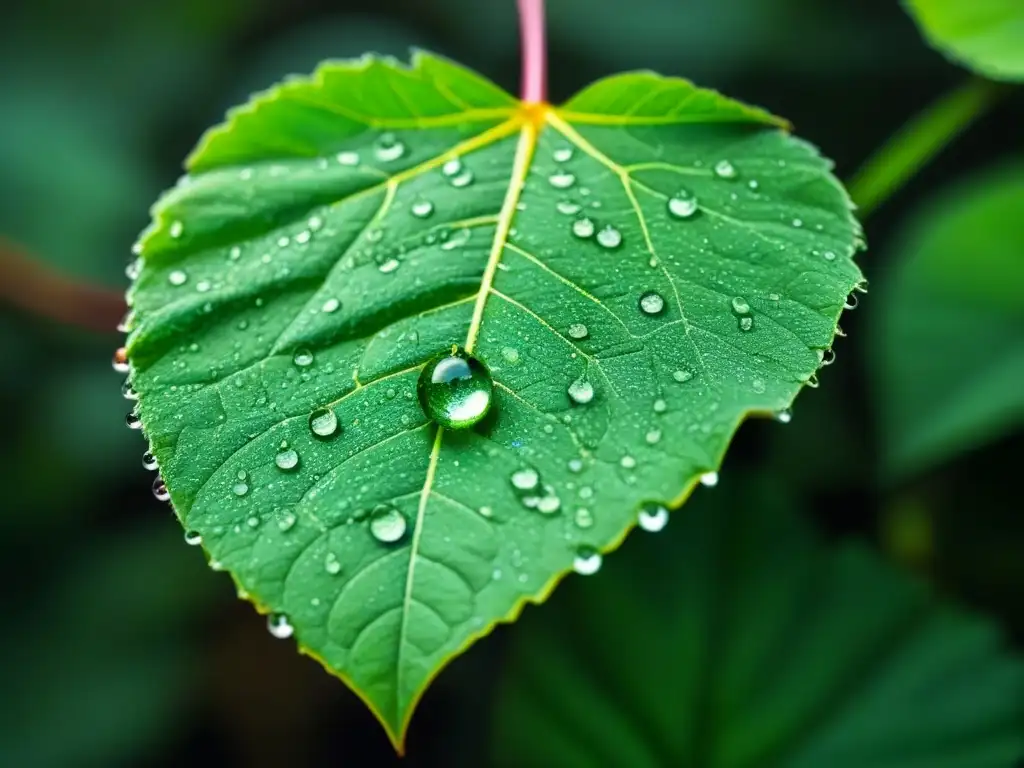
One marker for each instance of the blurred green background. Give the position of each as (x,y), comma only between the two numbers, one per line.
(121,648)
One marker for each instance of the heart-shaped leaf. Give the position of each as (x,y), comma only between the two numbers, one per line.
(639,270)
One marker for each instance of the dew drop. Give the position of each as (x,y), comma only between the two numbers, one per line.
(287,522)
(740,305)
(315,223)
(160,491)
(562,154)
(828,357)
(567,208)
(389,266)
(348,158)
(660,406)
(653,436)
(486,512)
(583,228)
(510,354)
(583,518)
(302,357)
(652,517)
(725,170)
(651,303)
(455,390)
(578,331)
(851,301)
(331,305)
(132,270)
(627,462)
(784,416)
(581,391)
(177,277)
(525,479)
(149,461)
(798,223)
(561,180)
(332,564)
(709,479)
(120,361)
(587,561)
(388,148)
(459,239)
(575,466)
(829,255)
(176,230)
(746,323)
(193,538)
(240,488)
(287,459)
(549,503)
(323,423)
(682,205)
(451,167)
(387,524)
(421,209)
(682,376)
(279,626)
(609,237)
(128,391)
(133,421)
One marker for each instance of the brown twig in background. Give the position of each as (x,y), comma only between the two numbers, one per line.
(31,285)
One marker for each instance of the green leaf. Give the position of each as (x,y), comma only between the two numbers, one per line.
(736,639)
(984,35)
(338,233)
(947,344)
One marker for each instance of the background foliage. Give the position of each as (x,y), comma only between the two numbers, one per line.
(122,643)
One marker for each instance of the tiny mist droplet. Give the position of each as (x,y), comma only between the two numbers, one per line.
(455,390)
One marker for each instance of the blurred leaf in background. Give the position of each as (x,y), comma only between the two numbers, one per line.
(736,638)
(947,333)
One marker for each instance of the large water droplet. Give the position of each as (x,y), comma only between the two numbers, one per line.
(581,391)
(740,305)
(651,303)
(133,421)
(525,479)
(725,170)
(587,561)
(387,524)
(240,488)
(160,491)
(421,209)
(287,459)
(149,461)
(609,237)
(682,205)
(302,357)
(120,361)
(561,180)
(652,517)
(583,228)
(709,479)
(578,331)
(279,626)
(324,423)
(388,148)
(193,538)
(455,390)
(462,180)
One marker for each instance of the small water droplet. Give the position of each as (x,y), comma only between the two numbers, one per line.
(682,205)
(240,488)
(303,237)
(753,184)
(549,503)
(193,538)
(287,459)
(388,148)
(332,564)
(587,561)
(120,361)
(486,512)
(459,239)
(562,154)
(578,331)
(583,228)
(177,277)
(660,406)
(331,305)
(746,323)
(279,626)
(583,518)
(561,180)
(315,223)
(132,270)
(149,461)
(798,223)
(581,391)
(709,479)
(348,158)
(287,522)
(160,491)
(828,357)
(725,170)
(451,167)
(387,524)
(627,462)
(682,376)
(323,422)
(784,416)
(651,303)
(510,354)
(455,390)
(133,421)
(758,386)
(389,266)
(303,357)
(653,436)
(462,180)
(575,466)
(652,517)
(421,209)
(525,479)
(567,208)
(851,301)
(829,255)
(128,391)
(176,229)
(609,237)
